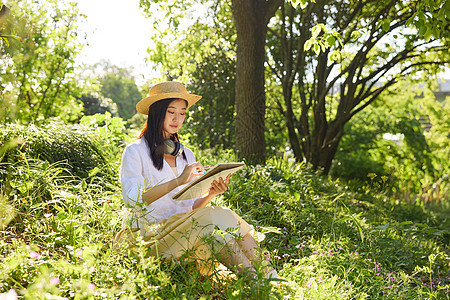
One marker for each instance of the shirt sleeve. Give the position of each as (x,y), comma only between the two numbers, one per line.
(131,178)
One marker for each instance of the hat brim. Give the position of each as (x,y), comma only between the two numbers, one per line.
(143,105)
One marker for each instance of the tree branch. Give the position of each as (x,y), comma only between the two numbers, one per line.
(274,71)
(272,7)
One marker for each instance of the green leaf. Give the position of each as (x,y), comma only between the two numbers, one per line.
(62,216)
(94,172)
(356,34)
(360,229)
(406,223)
(334,55)
(382,227)
(316,30)
(386,25)
(428,32)
(303,3)
(331,40)
(6,41)
(295,3)
(422,27)
(343,219)
(308,44)
(317,48)
(270,229)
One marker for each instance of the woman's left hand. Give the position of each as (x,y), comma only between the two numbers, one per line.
(219,186)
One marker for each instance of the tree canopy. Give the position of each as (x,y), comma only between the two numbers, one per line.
(328,78)
(37,69)
(332,59)
(119,85)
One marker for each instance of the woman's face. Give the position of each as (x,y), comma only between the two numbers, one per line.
(175,114)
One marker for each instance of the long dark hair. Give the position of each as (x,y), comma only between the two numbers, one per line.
(153,131)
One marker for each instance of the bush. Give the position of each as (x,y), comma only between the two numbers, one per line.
(54,144)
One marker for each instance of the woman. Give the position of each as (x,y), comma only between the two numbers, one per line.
(155,167)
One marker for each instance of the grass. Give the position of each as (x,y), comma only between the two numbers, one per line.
(329,239)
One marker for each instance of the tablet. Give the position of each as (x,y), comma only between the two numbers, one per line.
(200,186)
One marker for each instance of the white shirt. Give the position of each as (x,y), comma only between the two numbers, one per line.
(137,174)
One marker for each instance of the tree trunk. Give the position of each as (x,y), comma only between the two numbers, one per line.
(251,18)
(326,148)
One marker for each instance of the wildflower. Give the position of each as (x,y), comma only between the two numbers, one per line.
(34,254)
(310,281)
(277,257)
(91,269)
(286,255)
(54,281)
(91,286)
(79,253)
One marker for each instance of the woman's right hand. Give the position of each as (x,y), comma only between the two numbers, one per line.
(191,171)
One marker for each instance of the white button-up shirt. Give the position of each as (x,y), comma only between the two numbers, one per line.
(137,174)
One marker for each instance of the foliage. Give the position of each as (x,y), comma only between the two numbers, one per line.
(415,164)
(195,44)
(428,14)
(78,155)
(327,238)
(335,238)
(188,33)
(60,201)
(52,145)
(186,39)
(276,134)
(37,70)
(361,51)
(120,86)
(5,27)
(97,104)
(330,73)
(107,132)
(211,121)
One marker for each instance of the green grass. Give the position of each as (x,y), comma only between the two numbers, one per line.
(329,239)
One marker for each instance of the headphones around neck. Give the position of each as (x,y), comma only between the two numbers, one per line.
(173,147)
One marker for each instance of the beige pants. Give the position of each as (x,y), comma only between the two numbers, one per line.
(197,235)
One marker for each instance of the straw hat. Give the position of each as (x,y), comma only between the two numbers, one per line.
(165,90)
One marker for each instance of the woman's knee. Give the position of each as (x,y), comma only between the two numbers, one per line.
(219,211)
(215,214)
